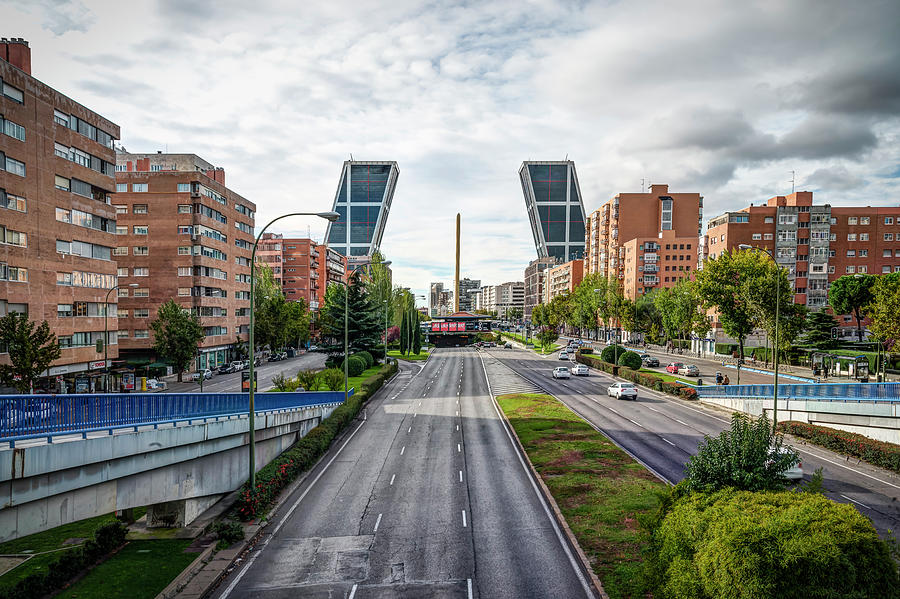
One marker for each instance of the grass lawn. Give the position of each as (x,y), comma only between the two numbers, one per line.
(140,570)
(552,348)
(355,381)
(600,490)
(48,541)
(395,353)
(668,377)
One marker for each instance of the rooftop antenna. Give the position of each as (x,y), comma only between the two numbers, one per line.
(567,156)
(642,184)
(793,173)
(351,156)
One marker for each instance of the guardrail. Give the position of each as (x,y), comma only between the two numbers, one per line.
(32,416)
(852,392)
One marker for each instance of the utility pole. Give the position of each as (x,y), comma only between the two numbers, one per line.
(456,284)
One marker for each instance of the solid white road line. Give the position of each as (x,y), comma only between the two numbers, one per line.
(393,476)
(352,592)
(402,450)
(460,476)
(680,421)
(613,410)
(469,586)
(464,518)
(458,448)
(409,430)
(667,441)
(854,501)
(654,409)
(377,523)
(457,427)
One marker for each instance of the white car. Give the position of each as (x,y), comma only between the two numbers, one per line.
(206,374)
(563,355)
(622,391)
(580,370)
(561,373)
(795,472)
(156,385)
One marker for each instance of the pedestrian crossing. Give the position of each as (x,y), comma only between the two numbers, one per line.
(504,380)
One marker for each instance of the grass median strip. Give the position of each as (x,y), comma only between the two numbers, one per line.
(600,490)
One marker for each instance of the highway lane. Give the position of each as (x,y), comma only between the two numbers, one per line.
(663,432)
(425,498)
(231,383)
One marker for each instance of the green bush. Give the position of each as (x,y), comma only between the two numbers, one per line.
(726,349)
(585,350)
(308,379)
(277,474)
(70,564)
(367,358)
(280,382)
(630,360)
(333,379)
(610,352)
(879,453)
(228,532)
(781,545)
(355,366)
(748,457)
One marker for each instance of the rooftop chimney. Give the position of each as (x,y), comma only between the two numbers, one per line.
(16,52)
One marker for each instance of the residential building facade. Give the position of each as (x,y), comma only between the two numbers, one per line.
(363,200)
(657,262)
(57,222)
(467,288)
(269,253)
(534,283)
(564,278)
(639,216)
(554,206)
(500,298)
(182,235)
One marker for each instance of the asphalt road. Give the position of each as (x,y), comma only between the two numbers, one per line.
(663,432)
(427,497)
(225,383)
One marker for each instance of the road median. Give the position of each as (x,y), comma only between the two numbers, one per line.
(599,491)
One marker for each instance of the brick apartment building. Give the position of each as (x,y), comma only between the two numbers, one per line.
(309,267)
(269,252)
(658,261)
(183,235)
(564,278)
(502,297)
(630,216)
(57,223)
(816,244)
(534,283)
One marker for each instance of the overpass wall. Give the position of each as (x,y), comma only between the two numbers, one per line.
(44,485)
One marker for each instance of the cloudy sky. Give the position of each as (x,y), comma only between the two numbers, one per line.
(721,98)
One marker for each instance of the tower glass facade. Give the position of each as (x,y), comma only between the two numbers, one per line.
(363,200)
(555,209)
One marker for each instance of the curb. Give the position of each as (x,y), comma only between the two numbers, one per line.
(598,586)
(196,583)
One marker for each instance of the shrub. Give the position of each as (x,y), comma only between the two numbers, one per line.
(308,379)
(585,350)
(879,453)
(741,545)
(630,360)
(228,532)
(333,379)
(334,361)
(748,457)
(367,358)
(281,382)
(355,366)
(610,352)
(726,349)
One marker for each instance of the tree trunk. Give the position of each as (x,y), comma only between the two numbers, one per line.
(859,333)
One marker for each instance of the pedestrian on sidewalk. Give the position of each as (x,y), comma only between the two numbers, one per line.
(726,381)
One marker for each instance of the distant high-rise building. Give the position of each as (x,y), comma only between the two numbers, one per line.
(363,200)
(467,287)
(502,297)
(555,209)
(434,298)
(534,283)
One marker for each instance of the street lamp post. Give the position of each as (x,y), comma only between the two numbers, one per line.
(615,333)
(106,335)
(330,216)
(744,246)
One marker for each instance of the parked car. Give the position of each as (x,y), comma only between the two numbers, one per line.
(224,369)
(650,361)
(157,385)
(689,370)
(580,370)
(237,365)
(274,357)
(563,355)
(673,367)
(205,374)
(508,345)
(561,372)
(795,472)
(313,347)
(622,391)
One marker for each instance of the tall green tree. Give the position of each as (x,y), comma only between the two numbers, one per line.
(296,323)
(884,310)
(648,316)
(514,314)
(364,329)
(176,333)
(818,330)
(32,348)
(852,294)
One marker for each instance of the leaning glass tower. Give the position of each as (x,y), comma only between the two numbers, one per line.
(363,200)
(555,209)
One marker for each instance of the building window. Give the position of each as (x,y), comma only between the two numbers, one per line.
(864,237)
(851,236)
(142,292)
(121,313)
(184,187)
(886,253)
(141,250)
(185,230)
(122,271)
(121,230)
(13,93)
(142,313)
(184,271)
(63,184)
(141,334)
(12,129)
(120,251)
(851,253)
(757,236)
(863,269)
(140,229)
(12,202)
(851,269)
(863,253)
(121,209)
(121,168)
(122,292)
(139,187)
(889,220)
(852,220)
(185,208)
(666,215)
(141,271)
(864,220)
(122,334)
(139,209)
(11,237)
(64,310)
(184,250)
(184,291)
(830,270)
(833,237)
(769,220)
(121,187)
(889,237)
(768,236)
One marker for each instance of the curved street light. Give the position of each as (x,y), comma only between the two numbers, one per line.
(106,334)
(330,216)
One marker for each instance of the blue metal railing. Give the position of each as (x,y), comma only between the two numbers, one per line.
(30,416)
(852,392)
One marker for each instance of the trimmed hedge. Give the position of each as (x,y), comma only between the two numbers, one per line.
(726,349)
(277,474)
(747,545)
(610,352)
(630,360)
(355,366)
(878,453)
(641,378)
(367,358)
(72,563)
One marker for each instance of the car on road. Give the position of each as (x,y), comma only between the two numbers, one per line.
(225,369)
(622,391)
(274,356)
(650,361)
(794,472)
(508,345)
(580,370)
(156,385)
(205,374)
(313,347)
(673,367)
(689,370)
(561,372)
(563,355)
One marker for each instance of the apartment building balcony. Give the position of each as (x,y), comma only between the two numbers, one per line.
(314,253)
(651,268)
(650,258)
